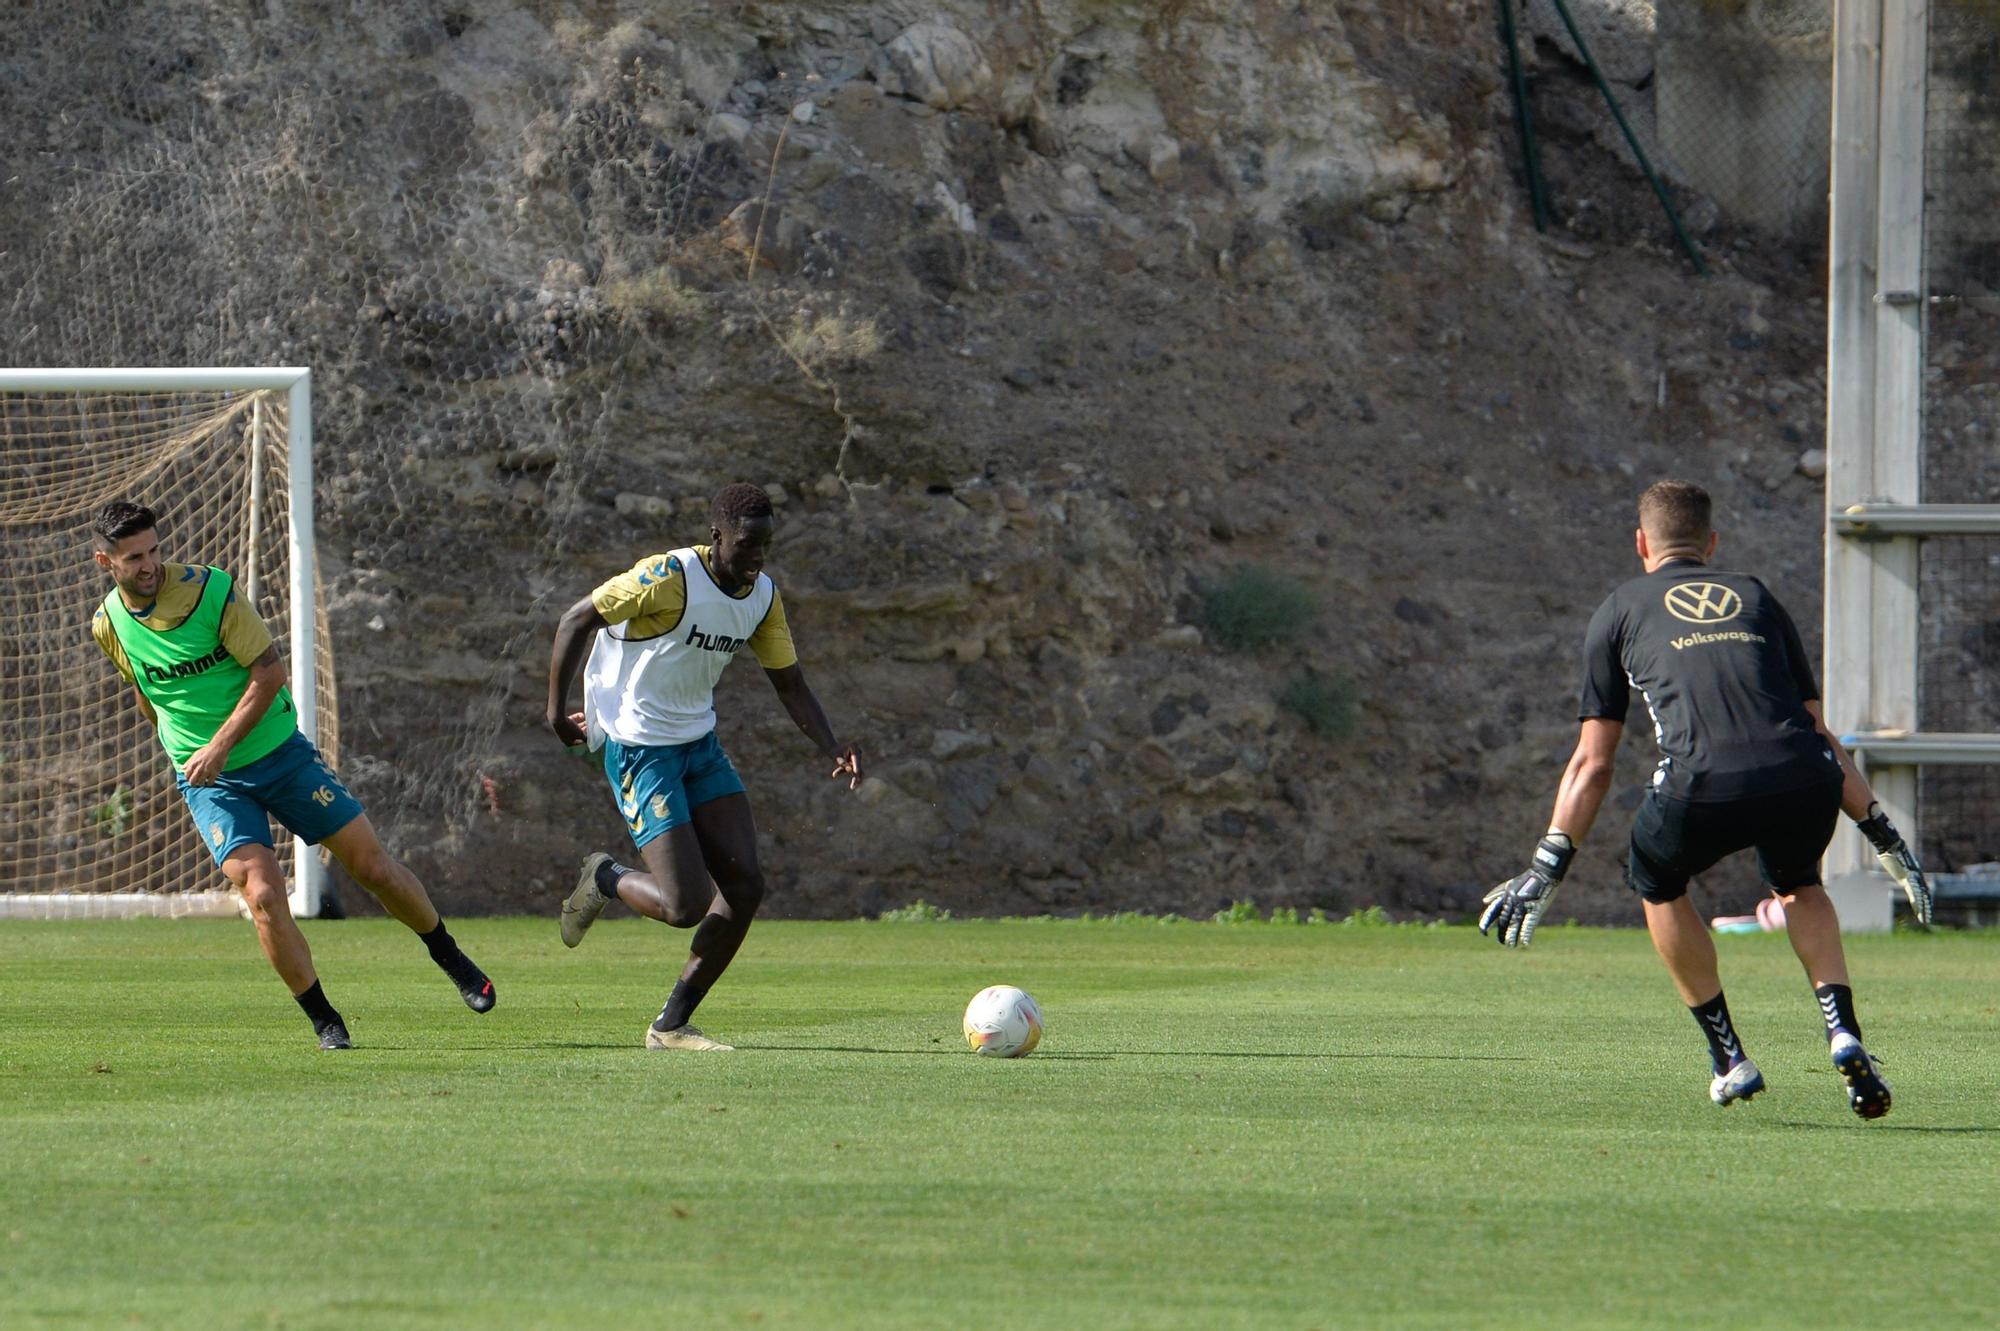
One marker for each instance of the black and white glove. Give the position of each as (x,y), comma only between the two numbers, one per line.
(1897,859)
(1514,908)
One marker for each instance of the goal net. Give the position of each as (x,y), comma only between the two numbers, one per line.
(90,821)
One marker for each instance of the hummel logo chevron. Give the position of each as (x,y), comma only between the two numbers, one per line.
(1724,1036)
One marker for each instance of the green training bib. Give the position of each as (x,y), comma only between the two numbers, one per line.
(193,682)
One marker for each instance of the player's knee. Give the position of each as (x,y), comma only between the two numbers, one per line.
(684,898)
(682,914)
(745,894)
(1805,893)
(264,898)
(374,868)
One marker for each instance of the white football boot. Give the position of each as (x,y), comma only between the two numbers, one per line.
(1739,1083)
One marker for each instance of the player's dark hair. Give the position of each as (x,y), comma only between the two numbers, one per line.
(733,503)
(1675,513)
(121,518)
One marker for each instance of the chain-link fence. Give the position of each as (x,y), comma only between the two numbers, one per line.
(1959,593)
(1730,104)
(1962,255)
(1959,589)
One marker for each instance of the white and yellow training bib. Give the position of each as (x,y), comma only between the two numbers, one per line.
(670,633)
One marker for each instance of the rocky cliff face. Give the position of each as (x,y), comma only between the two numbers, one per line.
(1041,321)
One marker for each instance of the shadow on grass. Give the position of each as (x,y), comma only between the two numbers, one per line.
(1100,1055)
(387,1047)
(942,1051)
(1972,1128)
(1331,1053)
(952,1051)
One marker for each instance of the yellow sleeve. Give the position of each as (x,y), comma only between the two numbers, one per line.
(181,586)
(243,631)
(651,596)
(773,639)
(107,639)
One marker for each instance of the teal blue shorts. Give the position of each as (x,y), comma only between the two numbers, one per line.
(291,783)
(657,786)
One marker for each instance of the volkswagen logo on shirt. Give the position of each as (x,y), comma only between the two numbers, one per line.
(1703,602)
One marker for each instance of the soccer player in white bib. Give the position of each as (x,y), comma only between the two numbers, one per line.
(659,637)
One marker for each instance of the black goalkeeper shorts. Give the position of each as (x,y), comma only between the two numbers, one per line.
(1673,840)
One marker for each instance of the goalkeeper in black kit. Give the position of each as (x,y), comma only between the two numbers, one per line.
(1746,760)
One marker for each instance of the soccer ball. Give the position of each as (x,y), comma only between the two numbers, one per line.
(1003,1022)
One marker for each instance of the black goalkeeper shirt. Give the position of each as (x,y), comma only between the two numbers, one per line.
(1724,674)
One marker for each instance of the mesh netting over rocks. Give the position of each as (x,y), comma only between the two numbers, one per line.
(465,322)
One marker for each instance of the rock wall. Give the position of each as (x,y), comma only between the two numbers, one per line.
(1040,321)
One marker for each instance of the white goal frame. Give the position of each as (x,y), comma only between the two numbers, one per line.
(308,883)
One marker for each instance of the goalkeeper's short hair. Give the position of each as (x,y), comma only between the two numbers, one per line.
(121,518)
(734,503)
(1675,512)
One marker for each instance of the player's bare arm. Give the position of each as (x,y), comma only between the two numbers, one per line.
(803,705)
(1587,778)
(574,632)
(268,674)
(1857,801)
(145,708)
(1855,792)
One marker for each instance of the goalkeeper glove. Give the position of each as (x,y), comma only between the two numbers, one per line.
(1514,908)
(1897,859)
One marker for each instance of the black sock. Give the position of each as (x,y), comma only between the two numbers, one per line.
(442,945)
(681,1004)
(1836,1004)
(608,874)
(318,1011)
(1725,1051)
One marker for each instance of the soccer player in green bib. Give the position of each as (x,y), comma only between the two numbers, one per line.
(209,678)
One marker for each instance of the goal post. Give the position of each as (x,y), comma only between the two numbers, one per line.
(90,822)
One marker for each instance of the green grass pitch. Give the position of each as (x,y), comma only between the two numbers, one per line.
(1252,1126)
